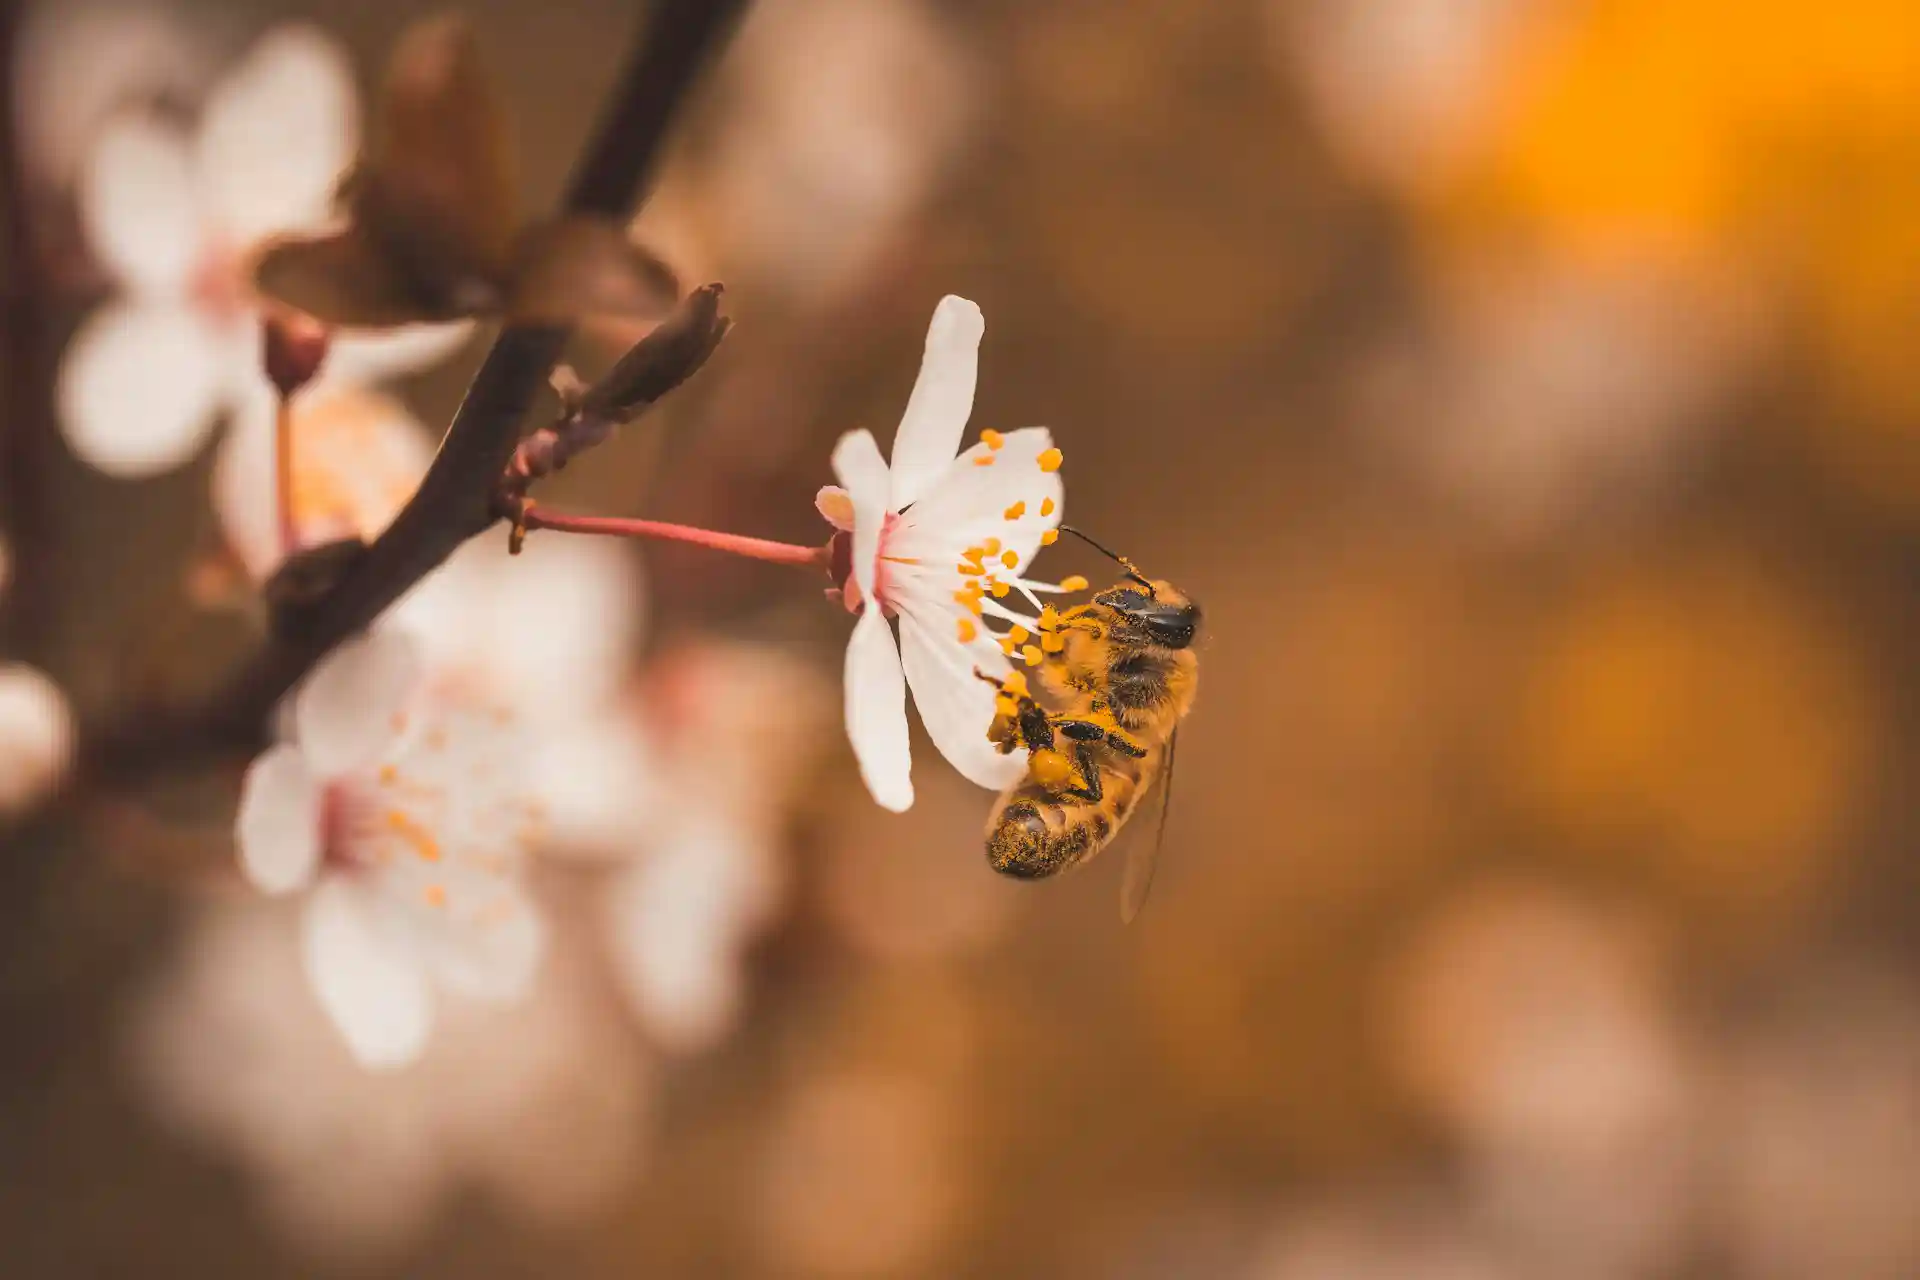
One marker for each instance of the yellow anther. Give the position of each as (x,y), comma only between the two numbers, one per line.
(966,630)
(1050,537)
(992,439)
(1053,642)
(1031,653)
(991,546)
(435,894)
(972,569)
(1051,460)
(417,837)
(1016,684)
(1007,646)
(1001,589)
(1015,511)
(1019,634)
(1046,506)
(984,460)
(1073,582)
(975,554)
(1011,559)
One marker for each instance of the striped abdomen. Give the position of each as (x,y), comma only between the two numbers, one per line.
(1035,833)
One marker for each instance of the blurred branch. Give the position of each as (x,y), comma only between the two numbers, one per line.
(457,498)
(26,373)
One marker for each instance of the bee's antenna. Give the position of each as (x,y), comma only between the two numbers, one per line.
(1132,570)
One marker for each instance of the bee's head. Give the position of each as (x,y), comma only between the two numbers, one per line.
(1158,608)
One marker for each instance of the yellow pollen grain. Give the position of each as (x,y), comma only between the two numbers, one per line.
(1073,582)
(1051,460)
(1053,642)
(1031,653)
(1017,510)
(1046,507)
(1019,634)
(435,894)
(1050,537)
(966,630)
(992,439)
(1001,589)
(418,838)
(1011,559)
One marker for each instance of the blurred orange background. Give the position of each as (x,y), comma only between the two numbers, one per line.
(1525,388)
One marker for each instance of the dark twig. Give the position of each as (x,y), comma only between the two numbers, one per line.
(26,374)
(658,363)
(457,498)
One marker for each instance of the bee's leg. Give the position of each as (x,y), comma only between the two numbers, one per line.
(1091,731)
(1089,773)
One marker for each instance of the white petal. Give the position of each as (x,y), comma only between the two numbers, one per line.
(36,736)
(490,956)
(361,356)
(278,828)
(140,386)
(969,503)
(371,987)
(956,705)
(876,690)
(348,708)
(139,207)
(863,473)
(276,135)
(835,507)
(941,402)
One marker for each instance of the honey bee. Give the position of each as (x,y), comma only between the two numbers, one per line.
(1116,676)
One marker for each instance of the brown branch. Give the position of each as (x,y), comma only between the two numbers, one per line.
(658,363)
(457,498)
(26,376)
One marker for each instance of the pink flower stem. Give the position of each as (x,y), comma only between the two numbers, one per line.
(536,517)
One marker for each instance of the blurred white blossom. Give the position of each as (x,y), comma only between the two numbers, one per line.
(938,541)
(407,822)
(543,1104)
(357,457)
(174,217)
(36,736)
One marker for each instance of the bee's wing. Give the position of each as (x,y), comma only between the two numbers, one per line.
(1136,881)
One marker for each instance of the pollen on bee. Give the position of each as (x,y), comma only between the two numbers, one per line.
(1005,706)
(966,630)
(1073,582)
(1051,460)
(1017,510)
(1031,653)
(1049,618)
(1016,684)
(1053,642)
(992,439)
(1050,537)
(1046,507)
(1011,559)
